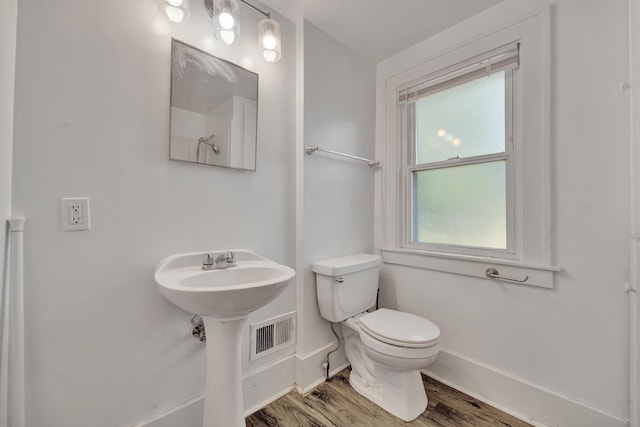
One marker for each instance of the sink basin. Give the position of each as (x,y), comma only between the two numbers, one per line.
(247,275)
(224,294)
(224,298)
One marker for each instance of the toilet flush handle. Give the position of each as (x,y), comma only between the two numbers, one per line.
(340,279)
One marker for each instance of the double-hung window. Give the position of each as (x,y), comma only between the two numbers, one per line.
(459,171)
(465,143)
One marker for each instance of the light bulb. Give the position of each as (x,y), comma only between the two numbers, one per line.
(174,14)
(176,10)
(270,55)
(226,20)
(269,41)
(227,36)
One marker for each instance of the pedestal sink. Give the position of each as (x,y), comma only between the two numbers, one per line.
(224,298)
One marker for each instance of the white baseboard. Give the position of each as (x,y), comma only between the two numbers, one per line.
(309,371)
(267,385)
(259,388)
(528,402)
(189,414)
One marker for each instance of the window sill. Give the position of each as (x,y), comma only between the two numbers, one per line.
(536,275)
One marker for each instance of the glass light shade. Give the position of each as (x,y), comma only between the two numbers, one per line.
(226,22)
(269,40)
(176,10)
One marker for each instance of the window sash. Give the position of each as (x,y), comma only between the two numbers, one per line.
(408,136)
(463,231)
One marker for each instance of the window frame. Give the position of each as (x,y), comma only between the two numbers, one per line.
(408,142)
(534,244)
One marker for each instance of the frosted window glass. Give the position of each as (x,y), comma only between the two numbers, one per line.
(464,121)
(462,205)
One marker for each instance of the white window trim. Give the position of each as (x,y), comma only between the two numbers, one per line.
(533,213)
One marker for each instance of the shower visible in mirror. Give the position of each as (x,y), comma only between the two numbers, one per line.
(214,110)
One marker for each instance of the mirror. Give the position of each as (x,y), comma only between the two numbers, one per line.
(214,110)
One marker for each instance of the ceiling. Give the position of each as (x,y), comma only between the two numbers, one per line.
(378,29)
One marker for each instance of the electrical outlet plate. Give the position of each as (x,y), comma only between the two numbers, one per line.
(75,214)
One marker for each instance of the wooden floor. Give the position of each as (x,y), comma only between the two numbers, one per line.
(335,403)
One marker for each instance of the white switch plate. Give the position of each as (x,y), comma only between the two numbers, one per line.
(75,214)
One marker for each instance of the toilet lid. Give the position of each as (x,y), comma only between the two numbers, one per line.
(401,329)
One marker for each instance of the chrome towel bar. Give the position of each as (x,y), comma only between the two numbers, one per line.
(309,149)
(492,273)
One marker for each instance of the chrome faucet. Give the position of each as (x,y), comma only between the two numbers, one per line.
(224,260)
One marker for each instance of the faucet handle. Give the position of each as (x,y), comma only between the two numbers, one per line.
(207,260)
(229,258)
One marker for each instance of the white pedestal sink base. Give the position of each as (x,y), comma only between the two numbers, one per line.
(223,404)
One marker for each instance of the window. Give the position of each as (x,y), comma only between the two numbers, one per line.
(459,165)
(463,131)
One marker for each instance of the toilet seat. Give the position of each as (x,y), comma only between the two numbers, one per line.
(399,352)
(400,329)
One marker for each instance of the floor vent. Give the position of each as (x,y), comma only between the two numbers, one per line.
(273,334)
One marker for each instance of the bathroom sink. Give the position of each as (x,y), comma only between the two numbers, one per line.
(243,282)
(221,294)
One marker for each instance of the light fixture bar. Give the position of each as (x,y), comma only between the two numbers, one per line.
(208,5)
(267,14)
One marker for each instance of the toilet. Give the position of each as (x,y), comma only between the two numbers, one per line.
(386,348)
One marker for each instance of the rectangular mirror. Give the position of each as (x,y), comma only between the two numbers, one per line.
(214,110)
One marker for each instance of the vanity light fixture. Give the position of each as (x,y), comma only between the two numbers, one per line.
(176,10)
(226,24)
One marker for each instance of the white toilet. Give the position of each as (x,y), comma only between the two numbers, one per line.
(386,348)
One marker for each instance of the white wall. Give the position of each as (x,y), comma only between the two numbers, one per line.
(339,114)
(570,342)
(634,326)
(634,33)
(92,119)
(8,22)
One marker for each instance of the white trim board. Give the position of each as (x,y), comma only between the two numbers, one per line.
(260,388)
(533,404)
(528,402)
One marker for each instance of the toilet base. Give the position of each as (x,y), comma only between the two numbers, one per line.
(401,394)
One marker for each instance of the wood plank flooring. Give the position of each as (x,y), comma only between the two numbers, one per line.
(335,403)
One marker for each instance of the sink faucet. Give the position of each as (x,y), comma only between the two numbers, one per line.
(224,260)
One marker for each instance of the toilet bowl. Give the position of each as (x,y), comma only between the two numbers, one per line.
(386,348)
(386,370)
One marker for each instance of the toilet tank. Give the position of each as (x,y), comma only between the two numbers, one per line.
(346,285)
